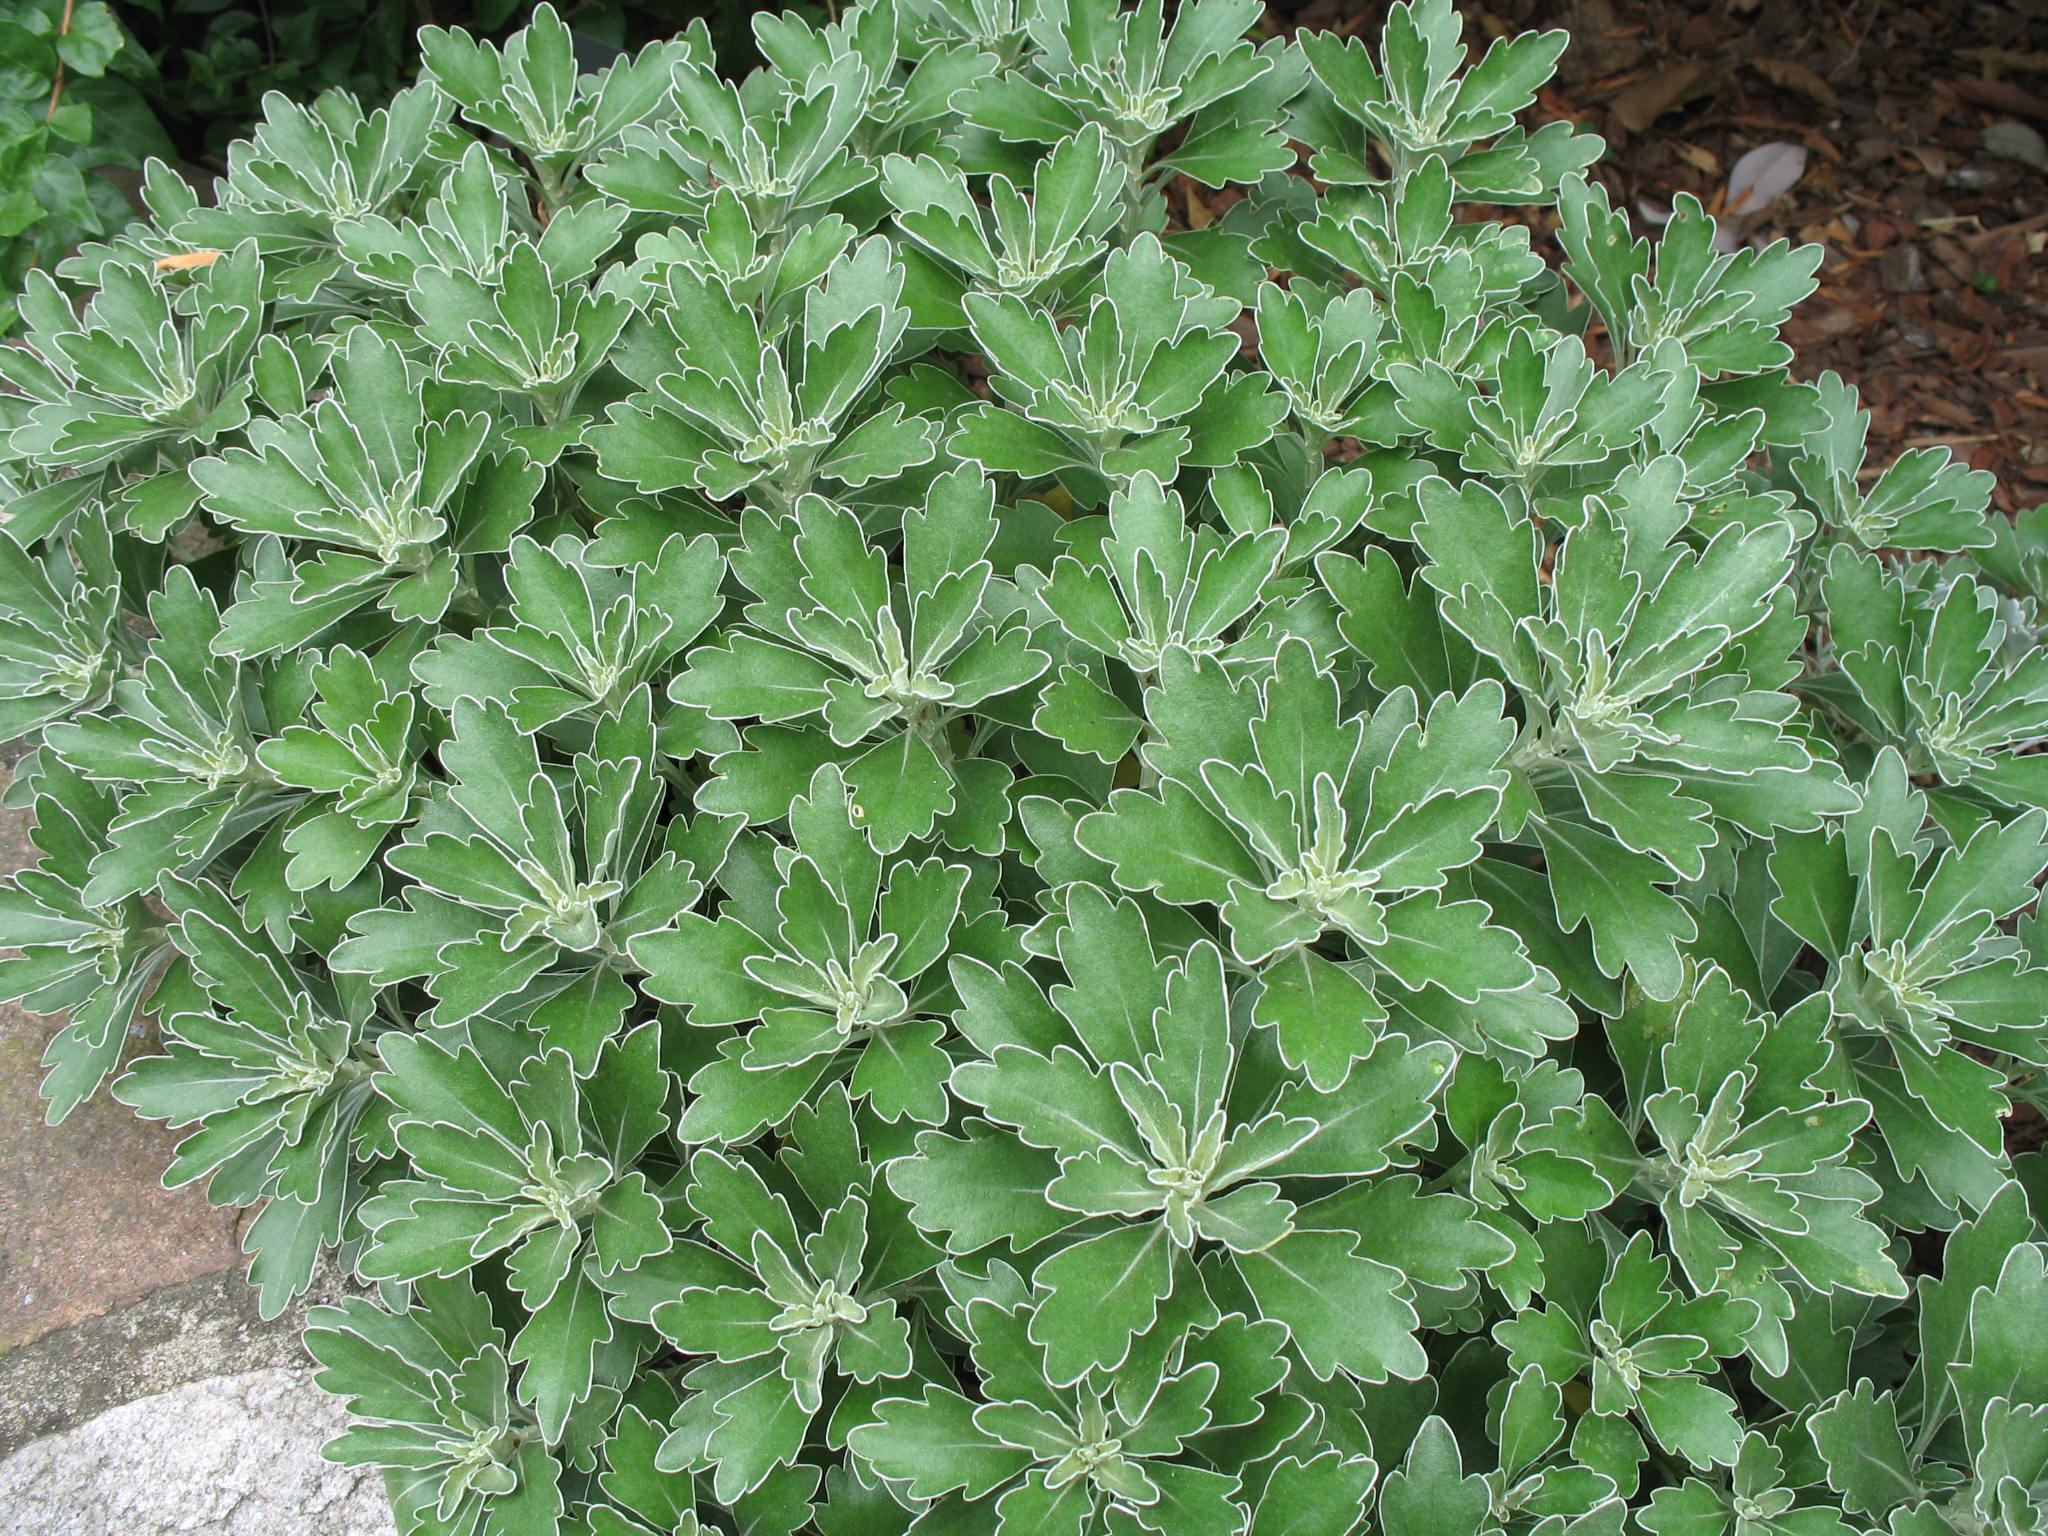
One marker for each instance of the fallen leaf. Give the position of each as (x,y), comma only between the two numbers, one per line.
(2027,226)
(2016,141)
(1638,106)
(1932,160)
(2006,58)
(185,261)
(1796,77)
(1834,320)
(1999,95)
(1902,269)
(1703,160)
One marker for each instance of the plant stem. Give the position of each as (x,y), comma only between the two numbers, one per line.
(57,80)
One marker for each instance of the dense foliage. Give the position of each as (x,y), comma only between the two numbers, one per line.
(88,85)
(69,105)
(897,845)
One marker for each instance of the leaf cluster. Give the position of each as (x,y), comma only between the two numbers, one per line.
(897,848)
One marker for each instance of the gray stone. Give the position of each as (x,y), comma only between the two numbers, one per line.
(228,1456)
(205,1327)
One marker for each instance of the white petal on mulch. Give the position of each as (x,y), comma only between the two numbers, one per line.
(1758,180)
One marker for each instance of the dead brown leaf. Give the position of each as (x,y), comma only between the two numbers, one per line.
(1796,77)
(1705,161)
(1999,95)
(2006,58)
(1639,105)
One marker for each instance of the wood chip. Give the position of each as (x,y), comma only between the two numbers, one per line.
(1902,269)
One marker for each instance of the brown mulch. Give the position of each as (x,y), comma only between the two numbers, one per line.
(1933,295)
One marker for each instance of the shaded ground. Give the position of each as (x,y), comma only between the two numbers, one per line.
(1934,288)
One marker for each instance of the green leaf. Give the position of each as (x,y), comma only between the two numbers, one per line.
(932,1446)
(558,1347)
(917,800)
(1634,925)
(1322,1015)
(1170,845)
(1858,1437)
(1343,1312)
(1317,1497)
(1100,1293)
(1087,717)
(2008,1347)
(1430,1493)
(981,1188)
